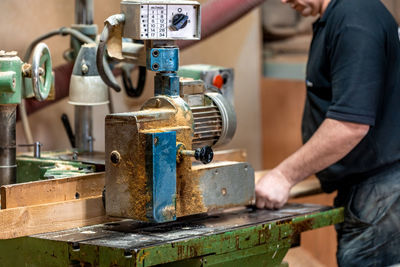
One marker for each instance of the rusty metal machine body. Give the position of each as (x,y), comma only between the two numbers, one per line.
(150,171)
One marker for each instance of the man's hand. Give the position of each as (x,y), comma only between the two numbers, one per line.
(331,142)
(272,190)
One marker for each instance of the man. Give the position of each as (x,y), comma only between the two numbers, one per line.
(351,127)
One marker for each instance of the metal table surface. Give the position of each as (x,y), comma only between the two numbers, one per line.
(234,238)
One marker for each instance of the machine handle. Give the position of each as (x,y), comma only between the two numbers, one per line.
(204,154)
(68,129)
(41,55)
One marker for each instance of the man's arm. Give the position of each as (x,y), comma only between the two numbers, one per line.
(331,142)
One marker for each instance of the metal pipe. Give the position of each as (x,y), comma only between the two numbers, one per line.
(25,123)
(83,128)
(212,21)
(84,12)
(8,161)
(36,151)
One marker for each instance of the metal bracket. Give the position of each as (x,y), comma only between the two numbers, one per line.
(161,172)
(163,59)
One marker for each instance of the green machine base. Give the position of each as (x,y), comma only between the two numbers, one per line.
(245,237)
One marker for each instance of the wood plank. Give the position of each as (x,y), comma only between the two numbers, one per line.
(22,221)
(239,155)
(308,187)
(50,191)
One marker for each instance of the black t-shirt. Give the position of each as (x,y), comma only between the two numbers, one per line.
(353,74)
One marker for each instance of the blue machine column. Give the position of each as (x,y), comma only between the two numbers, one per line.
(161,174)
(164,61)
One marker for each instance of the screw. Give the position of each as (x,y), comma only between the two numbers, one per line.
(115,157)
(223,191)
(156,66)
(85,68)
(75,246)
(156,53)
(155,140)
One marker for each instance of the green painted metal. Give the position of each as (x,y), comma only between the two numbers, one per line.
(28,88)
(285,70)
(10,80)
(32,169)
(100,256)
(195,71)
(33,252)
(259,245)
(6,81)
(274,236)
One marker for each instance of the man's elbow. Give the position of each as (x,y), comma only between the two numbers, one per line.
(358,130)
(355,131)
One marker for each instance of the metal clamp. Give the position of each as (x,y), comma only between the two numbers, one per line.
(163,59)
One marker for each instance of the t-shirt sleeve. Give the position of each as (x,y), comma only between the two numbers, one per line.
(357,70)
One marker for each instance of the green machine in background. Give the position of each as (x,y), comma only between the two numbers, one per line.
(215,78)
(19,80)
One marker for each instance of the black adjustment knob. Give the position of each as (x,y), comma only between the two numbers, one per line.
(204,154)
(179,21)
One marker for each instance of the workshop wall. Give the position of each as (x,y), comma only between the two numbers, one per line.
(238,46)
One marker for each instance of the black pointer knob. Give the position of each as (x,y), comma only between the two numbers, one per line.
(179,21)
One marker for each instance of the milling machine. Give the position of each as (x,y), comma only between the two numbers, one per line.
(150,174)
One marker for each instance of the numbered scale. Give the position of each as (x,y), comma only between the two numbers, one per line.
(162,20)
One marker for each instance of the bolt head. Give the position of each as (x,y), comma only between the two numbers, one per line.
(115,157)
(85,69)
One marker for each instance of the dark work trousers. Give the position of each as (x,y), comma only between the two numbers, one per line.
(370,234)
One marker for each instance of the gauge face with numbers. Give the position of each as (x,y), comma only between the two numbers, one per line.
(162,20)
(168,22)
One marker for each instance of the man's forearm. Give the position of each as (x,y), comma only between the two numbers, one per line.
(331,142)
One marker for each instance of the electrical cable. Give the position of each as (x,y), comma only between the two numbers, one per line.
(127,81)
(64,31)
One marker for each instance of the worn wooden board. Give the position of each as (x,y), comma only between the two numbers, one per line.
(50,191)
(308,187)
(22,221)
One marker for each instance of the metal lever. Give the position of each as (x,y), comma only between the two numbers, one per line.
(36,150)
(204,154)
(68,129)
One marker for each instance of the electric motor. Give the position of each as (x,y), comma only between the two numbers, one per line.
(214,122)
